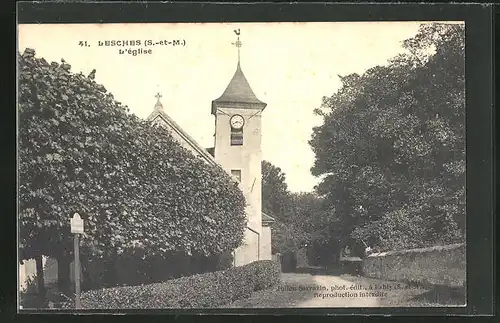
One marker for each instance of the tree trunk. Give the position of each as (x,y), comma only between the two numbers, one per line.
(40,280)
(63,275)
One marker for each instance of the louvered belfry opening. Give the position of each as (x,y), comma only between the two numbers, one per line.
(236,137)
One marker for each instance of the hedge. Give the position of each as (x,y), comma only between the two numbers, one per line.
(198,291)
(133,184)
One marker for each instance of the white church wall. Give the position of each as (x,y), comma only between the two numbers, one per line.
(248,252)
(265,243)
(255,190)
(246,158)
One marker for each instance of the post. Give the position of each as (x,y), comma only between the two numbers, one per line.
(77,271)
(77,228)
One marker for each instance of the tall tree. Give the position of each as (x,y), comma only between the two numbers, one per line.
(275,193)
(392,146)
(301,217)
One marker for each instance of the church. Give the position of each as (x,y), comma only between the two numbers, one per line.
(237,150)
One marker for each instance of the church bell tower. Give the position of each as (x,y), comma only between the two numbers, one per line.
(238,150)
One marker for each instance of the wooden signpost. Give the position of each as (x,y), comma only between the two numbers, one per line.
(77,229)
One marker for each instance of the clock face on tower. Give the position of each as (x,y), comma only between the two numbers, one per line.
(237,122)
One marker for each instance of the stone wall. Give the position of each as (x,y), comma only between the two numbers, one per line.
(440,265)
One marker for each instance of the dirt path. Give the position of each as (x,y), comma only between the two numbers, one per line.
(306,290)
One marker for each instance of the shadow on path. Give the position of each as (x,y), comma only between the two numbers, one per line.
(413,294)
(442,295)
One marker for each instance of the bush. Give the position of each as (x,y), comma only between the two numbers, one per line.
(267,273)
(198,291)
(131,268)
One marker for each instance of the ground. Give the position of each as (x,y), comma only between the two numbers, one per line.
(309,291)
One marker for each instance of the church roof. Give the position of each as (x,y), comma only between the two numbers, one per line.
(239,90)
(159,113)
(211,151)
(267,218)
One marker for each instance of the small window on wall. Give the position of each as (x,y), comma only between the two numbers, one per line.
(237,174)
(236,137)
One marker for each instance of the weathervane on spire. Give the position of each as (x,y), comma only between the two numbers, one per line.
(238,43)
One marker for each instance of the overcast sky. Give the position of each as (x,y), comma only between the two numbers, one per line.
(290,66)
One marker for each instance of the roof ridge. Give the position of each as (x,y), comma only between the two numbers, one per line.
(186,136)
(266,217)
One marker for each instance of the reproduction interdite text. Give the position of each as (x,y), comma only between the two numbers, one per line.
(343,291)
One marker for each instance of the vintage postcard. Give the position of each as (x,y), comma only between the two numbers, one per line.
(241,165)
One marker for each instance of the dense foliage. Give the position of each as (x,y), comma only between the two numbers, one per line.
(302,219)
(392,146)
(208,290)
(277,201)
(132,268)
(275,193)
(132,183)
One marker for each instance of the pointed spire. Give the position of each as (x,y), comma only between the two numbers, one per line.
(158,105)
(238,89)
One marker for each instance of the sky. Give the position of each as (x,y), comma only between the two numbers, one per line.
(290,66)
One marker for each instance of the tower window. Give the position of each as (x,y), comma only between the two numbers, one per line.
(237,174)
(236,137)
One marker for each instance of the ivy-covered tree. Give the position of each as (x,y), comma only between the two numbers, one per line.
(392,146)
(132,183)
